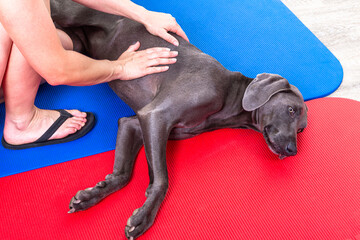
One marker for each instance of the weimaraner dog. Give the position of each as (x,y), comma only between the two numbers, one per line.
(196,95)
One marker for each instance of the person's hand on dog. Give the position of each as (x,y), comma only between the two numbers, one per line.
(135,64)
(159,24)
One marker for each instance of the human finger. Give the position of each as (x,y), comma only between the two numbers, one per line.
(161,61)
(134,47)
(152,70)
(179,31)
(167,37)
(157,49)
(163,55)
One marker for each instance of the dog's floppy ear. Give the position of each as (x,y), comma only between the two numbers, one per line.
(262,88)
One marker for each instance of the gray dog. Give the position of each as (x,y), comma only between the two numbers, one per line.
(196,95)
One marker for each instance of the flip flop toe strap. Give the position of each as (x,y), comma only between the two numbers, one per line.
(64,115)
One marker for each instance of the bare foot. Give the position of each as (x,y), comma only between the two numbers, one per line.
(30,127)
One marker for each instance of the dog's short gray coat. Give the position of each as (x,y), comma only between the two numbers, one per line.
(197,94)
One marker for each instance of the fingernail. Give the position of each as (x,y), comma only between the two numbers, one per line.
(176,43)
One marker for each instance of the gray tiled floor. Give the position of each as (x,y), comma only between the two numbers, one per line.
(337,24)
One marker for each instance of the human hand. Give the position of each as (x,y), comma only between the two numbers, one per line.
(159,24)
(135,64)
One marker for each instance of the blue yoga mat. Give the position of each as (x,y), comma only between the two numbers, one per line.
(250,36)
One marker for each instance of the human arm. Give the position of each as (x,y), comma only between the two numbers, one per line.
(30,27)
(156,23)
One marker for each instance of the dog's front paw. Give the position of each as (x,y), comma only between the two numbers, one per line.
(87,198)
(139,222)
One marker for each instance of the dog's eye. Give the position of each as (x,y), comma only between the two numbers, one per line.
(291,112)
(300,130)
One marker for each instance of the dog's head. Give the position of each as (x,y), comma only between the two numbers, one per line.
(280,110)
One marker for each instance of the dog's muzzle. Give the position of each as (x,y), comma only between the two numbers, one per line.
(281,147)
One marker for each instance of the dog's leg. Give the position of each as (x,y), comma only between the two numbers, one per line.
(155,128)
(128,144)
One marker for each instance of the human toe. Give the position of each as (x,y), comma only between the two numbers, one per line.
(77,113)
(76,124)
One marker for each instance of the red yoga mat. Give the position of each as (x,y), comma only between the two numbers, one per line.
(223,185)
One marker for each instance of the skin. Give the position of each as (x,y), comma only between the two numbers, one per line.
(30,42)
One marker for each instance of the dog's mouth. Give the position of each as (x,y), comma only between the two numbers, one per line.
(272,146)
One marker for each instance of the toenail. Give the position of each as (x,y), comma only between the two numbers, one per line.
(135,211)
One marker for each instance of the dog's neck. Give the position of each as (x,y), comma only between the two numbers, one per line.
(256,125)
(233,114)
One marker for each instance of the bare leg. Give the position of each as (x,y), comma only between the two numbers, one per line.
(5,48)
(24,122)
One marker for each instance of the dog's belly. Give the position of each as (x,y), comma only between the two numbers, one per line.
(185,132)
(136,93)
(187,82)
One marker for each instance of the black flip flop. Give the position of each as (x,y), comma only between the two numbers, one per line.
(44,139)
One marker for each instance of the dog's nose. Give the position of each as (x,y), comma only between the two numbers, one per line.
(291,149)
